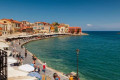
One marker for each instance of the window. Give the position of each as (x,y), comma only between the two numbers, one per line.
(42,27)
(34,27)
(5,22)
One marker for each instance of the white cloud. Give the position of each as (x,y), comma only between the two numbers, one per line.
(89,25)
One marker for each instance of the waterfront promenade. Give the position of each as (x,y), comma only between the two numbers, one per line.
(49,72)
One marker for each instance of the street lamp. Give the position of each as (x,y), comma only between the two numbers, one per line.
(77,51)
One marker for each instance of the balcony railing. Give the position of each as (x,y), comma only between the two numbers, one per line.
(3,65)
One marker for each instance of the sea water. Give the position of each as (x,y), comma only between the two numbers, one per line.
(99,56)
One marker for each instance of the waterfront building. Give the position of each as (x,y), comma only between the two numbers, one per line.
(63,28)
(66,28)
(1,26)
(3,29)
(25,23)
(12,25)
(0,31)
(27,29)
(75,30)
(41,27)
(52,29)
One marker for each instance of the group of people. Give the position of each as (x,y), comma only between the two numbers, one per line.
(38,67)
(17,54)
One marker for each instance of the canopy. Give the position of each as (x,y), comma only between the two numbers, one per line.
(15,73)
(23,36)
(26,67)
(35,74)
(3,45)
(11,60)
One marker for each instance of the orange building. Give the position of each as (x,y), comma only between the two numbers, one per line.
(12,25)
(52,29)
(75,30)
(1,28)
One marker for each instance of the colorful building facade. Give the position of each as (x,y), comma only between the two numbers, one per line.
(41,27)
(12,25)
(3,29)
(63,28)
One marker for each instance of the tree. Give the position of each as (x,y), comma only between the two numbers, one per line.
(55,24)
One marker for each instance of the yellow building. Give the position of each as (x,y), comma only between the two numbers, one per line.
(12,25)
(52,29)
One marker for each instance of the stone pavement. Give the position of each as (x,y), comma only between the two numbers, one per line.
(28,60)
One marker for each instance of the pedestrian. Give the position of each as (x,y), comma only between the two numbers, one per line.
(34,58)
(25,53)
(75,78)
(38,69)
(11,43)
(35,67)
(20,61)
(56,77)
(19,56)
(44,67)
(13,54)
(19,43)
(71,77)
(13,49)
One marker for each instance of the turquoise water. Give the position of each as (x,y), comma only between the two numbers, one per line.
(99,57)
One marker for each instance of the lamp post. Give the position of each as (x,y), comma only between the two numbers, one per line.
(77,51)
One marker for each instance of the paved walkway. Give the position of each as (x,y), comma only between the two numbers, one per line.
(29,60)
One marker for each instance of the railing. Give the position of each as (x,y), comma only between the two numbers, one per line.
(3,65)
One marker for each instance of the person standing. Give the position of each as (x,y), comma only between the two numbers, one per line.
(35,67)
(71,77)
(34,59)
(44,67)
(11,43)
(25,53)
(56,77)
(19,42)
(19,56)
(38,69)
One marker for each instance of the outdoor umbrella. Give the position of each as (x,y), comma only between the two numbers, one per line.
(26,67)
(35,74)
(11,60)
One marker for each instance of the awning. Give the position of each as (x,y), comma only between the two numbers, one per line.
(3,45)
(26,67)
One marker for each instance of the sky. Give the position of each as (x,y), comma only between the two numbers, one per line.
(91,15)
